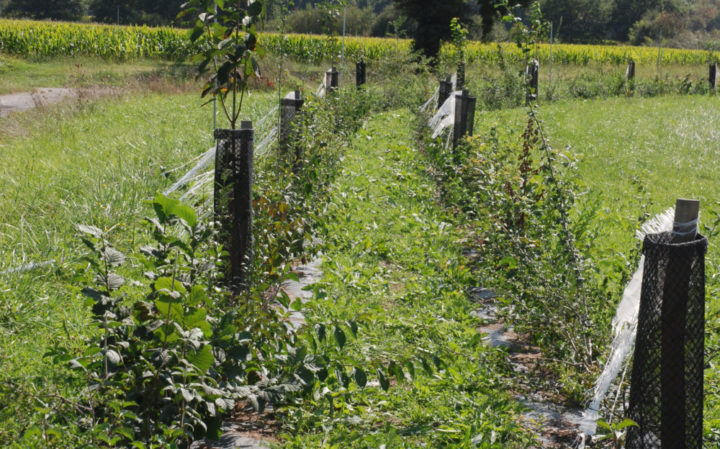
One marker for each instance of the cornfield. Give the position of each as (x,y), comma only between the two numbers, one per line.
(574,54)
(50,39)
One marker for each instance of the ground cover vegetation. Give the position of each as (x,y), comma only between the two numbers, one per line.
(150,339)
(146,345)
(390,355)
(553,230)
(394,262)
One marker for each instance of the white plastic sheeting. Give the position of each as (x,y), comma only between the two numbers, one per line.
(262,148)
(204,161)
(430,101)
(445,115)
(624,328)
(28,267)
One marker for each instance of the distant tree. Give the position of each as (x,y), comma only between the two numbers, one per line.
(45,9)
(432,19)
(627,12)
(490,10)
(314,20)
(145,12)
(579,20)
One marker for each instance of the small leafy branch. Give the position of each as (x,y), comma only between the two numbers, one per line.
(228,53)
(614,433)
(525,35)
(458,35)
(150,372)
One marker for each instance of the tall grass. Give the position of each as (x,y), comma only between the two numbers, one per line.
(96,163)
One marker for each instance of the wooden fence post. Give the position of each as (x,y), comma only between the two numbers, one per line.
(713,76)
(630,71)
(331,80)
(666,394)
(460,77)
(289,108)
(464,116)
(233,202)
(360,73)
(444,91)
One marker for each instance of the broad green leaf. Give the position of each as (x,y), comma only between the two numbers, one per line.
(627,422)
(165,307)
(90,230)
(166,283)
(604,425)
(320,329)
(113,257)
(395,370)
(198,295)
(384,383)
(353,327)
(185,213)
(339,336)
(113,357)
(202,359)
(360,377)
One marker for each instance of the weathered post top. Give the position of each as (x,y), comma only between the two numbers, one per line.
(444,90)
(331,79)
(246,124)
(630,72)
(292,99)
(687,213)
(360,72)
(464,116)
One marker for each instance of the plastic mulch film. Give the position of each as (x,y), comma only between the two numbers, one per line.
(666,391)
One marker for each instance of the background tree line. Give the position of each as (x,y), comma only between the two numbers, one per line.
(679,23)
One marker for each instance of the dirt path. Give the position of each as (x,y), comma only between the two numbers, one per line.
(43,97)
(555,425)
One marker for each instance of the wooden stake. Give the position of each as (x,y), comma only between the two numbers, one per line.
(289,108)
(360,73)
(685,211)
(444,92)
(331,80)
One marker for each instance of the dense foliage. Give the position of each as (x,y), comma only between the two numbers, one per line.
(44,9)
(518,194)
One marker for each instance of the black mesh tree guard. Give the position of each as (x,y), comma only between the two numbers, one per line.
(666,391)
